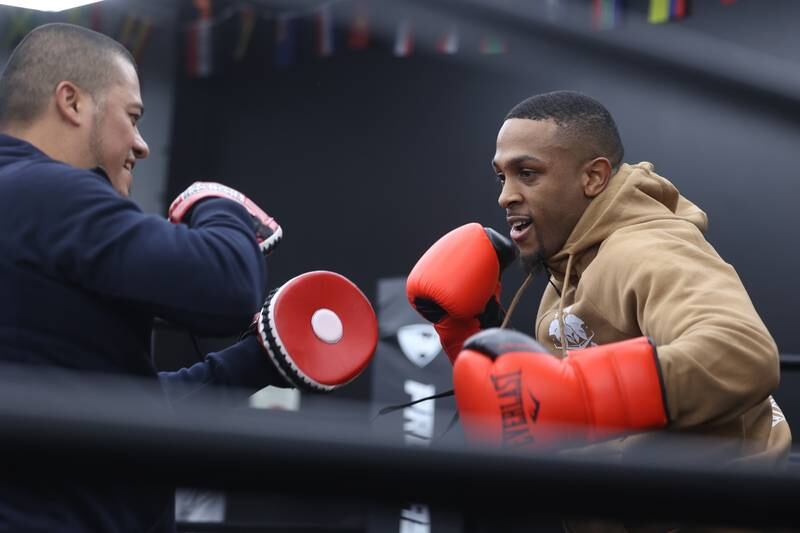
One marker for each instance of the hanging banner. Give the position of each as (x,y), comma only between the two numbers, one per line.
(410,365)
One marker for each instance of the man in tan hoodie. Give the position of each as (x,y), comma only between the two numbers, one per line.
(626,256)
(656,333)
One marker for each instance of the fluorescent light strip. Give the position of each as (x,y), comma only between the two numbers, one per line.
(48,5)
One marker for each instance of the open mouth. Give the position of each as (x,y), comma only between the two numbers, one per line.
(519,226)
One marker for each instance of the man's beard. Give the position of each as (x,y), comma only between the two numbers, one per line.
(537,261)
(96,149)
(96,144)
(533,263)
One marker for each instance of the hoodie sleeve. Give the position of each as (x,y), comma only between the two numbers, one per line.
(717,357)
(208,276)
(229,376)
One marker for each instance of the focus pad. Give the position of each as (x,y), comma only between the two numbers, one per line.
(319,329)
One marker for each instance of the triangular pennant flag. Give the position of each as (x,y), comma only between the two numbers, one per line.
(78,16)
(204,64)
(141,40)
(247,19)
(493,45)
(285,41)
(324,35)
(126,30)
(199,46)
(96,17)
(404,39)
(358,38)
(606,14)
(553,10)
(448,43)
(678,9)
(659,12)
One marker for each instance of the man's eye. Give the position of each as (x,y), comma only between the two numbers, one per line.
(500,179)
(527,173)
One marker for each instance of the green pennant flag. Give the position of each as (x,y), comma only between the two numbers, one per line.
(659,12)
(493,45)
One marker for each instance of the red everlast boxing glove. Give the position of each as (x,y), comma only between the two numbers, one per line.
(511,392)
(319,330)
(456,283)
(268,232)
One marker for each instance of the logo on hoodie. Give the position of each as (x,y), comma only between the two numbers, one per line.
(576,333)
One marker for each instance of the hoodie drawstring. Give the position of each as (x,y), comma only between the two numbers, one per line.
(564,288)
(515,301)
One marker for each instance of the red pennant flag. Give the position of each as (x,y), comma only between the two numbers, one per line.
(358,38)
(678,9)
(198,50)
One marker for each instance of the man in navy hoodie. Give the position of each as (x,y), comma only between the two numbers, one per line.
(74,247)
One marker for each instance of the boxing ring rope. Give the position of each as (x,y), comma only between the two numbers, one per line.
(55,424)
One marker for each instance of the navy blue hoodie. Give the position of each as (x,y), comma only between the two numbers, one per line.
(83,272)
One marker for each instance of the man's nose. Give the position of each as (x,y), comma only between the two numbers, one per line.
(509,195)
(140,148)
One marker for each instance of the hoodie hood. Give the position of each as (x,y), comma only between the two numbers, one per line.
(634,195)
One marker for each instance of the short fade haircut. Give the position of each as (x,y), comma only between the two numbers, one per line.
(53,53)
(584,120)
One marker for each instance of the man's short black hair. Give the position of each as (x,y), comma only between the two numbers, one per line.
(50,54)
(584,120)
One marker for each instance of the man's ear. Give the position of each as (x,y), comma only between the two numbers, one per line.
(596,174)
(71,102)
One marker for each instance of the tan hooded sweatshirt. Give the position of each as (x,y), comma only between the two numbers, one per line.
(636,264)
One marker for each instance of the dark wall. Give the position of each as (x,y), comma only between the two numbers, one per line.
(366,159)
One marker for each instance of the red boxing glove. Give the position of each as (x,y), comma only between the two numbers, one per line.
(511,392)
(319,330)
(268,232)
(456,283)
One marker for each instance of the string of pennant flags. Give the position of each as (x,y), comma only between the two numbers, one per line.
(216,37)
